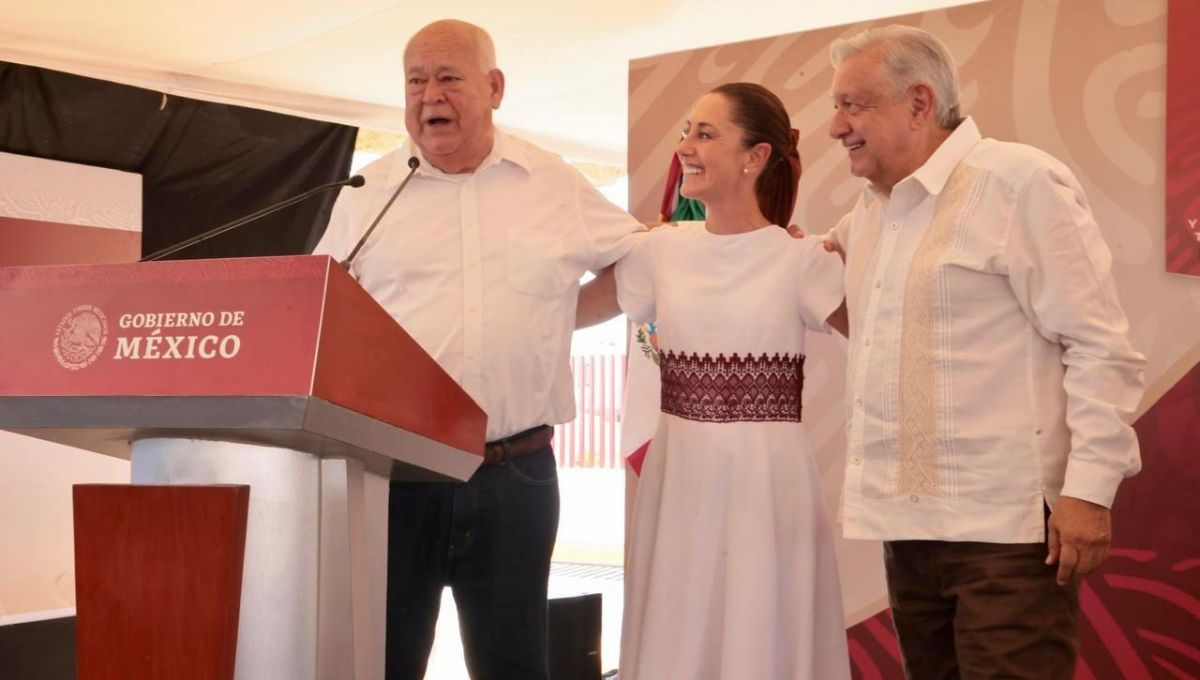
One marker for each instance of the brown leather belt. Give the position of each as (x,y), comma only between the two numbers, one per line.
(520,444)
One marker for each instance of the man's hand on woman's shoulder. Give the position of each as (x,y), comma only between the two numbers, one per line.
(829,241)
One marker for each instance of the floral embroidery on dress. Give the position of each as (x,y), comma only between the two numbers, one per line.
(727,389)
(647,340)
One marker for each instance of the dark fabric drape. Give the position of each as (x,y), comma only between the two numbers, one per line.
(202,164)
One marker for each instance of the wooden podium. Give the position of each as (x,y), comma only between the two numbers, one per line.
(280,374)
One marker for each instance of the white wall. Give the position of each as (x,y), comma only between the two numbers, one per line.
(36,540)
(37,554)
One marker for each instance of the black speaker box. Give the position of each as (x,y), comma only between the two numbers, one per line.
(574,637)
(38,650)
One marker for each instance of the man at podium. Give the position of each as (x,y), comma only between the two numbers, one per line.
(479,260)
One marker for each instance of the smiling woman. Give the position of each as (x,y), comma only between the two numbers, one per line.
(729,534)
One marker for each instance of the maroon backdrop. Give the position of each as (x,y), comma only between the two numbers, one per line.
(1183,137)
(24,242)
(1141,611)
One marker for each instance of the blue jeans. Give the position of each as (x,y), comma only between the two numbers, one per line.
(490,540)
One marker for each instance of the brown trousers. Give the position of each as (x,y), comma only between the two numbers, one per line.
(980,611)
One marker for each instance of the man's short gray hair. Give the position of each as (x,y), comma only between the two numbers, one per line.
(456,33)
(487,49)
(909,56)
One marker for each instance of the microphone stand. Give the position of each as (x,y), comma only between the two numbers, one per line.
(413,164)
(355,181)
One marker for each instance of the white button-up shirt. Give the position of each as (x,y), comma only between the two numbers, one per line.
(990,369)
(482,269)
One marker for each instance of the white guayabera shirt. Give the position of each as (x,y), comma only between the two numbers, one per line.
(482,269)
(990,369)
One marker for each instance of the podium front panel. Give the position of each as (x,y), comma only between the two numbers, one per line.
(204,327)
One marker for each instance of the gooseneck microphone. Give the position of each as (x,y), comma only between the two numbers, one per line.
(413,164)
(355,182)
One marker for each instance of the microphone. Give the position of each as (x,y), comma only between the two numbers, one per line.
(355,182)
(413,164)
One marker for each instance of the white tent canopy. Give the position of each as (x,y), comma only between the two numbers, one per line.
(566,62)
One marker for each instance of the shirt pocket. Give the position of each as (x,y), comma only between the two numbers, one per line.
(536,258)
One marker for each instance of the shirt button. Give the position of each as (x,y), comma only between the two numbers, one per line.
(914,498)
(858,402)
(856,460)
(867,342)
(878,285)
(895,226)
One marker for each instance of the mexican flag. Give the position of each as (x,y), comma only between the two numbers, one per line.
(674,207)
(639,418)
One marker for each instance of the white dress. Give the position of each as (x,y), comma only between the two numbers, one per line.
(731,573)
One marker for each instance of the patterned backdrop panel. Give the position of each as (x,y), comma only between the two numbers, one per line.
(1085,80)
(1141,610)
(1183,133)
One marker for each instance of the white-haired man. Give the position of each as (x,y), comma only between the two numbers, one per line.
(990,377)
(480,262)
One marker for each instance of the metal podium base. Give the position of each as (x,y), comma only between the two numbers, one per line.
(304,604)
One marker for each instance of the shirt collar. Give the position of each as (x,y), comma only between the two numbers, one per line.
(935,172)
(504,148)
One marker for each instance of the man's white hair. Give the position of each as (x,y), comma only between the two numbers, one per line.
(487,49)
(909,56)
(455,30)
